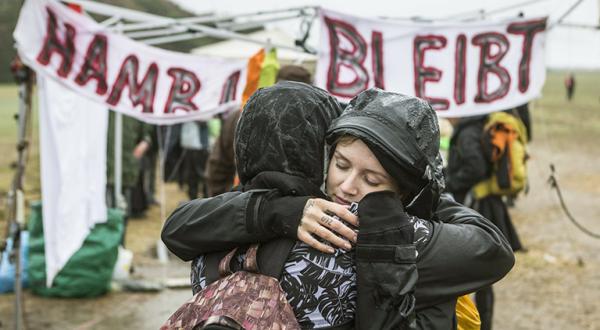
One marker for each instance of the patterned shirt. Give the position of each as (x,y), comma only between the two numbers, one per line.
(320,287)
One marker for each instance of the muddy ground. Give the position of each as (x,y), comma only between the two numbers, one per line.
(118,309)
(554,285)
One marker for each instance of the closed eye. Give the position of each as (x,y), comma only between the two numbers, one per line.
(341,166)
(371,182)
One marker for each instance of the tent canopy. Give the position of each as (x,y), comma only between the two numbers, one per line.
(244,49)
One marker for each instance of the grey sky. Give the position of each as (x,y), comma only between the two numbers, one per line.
(566,47)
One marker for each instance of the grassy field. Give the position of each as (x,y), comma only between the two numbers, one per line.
(561,121)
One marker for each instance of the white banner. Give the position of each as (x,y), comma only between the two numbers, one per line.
(151,84)
(462,69)
(73,170)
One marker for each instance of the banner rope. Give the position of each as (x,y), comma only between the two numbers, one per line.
(554,184)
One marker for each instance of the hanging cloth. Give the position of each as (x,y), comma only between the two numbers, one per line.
(73,170)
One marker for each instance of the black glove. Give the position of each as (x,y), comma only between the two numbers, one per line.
(385,264)
(383,220)
(282,214)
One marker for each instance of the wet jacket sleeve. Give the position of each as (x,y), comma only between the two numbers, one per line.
(229,220)
(466,252)
(385,264)
(473,165)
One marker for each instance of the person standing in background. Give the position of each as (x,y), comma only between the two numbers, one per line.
(149,166)
(136,142)
(570,85)
(467,166)
(194,142)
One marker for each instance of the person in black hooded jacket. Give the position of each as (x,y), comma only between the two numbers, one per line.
(279,146)
(467,166)
(456,246)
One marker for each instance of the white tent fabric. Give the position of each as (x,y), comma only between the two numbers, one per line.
(245,49)
(73,132)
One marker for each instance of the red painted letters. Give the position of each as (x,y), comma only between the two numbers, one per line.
(490,63)
(184,87)
(139,93)
(423,74)
(351,59)
(52,45)
(528,29)
(94,64)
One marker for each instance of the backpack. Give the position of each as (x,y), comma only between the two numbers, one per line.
(242,300)
(504,142)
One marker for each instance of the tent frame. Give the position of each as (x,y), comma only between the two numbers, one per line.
(154,29)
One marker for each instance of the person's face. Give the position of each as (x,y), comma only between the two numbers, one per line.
(354,171)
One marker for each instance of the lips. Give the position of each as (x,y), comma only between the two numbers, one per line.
(340,200)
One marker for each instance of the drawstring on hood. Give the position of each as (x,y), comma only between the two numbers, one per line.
(403,133)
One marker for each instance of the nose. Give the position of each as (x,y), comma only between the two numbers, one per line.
(348,185)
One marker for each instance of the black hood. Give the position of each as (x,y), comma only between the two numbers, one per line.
(466,122)
(405,129)
(282,129)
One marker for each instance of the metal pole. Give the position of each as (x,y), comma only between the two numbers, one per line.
(161,250)
(203,19)
(231,26)
(103,9)
(19,317)
(475,14)
(118,168)
(16,198)
(563,16)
